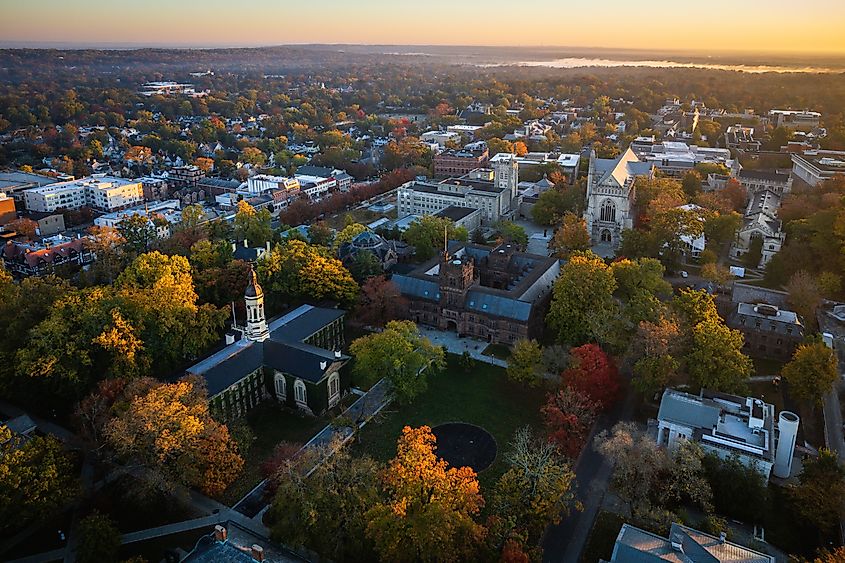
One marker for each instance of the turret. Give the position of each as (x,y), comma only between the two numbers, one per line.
(256,324)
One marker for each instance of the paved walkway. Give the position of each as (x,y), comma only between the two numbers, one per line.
(459,344)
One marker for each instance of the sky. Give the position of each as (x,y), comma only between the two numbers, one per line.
(807,26)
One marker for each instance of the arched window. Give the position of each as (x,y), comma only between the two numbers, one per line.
(334,389)
(299,393)
(606,235)
(281,386)
(608,211)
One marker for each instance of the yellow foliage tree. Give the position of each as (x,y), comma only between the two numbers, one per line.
(428,514)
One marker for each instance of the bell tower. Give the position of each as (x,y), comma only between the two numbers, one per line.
(256,324)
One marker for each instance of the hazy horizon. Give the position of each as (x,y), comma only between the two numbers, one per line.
(754,26)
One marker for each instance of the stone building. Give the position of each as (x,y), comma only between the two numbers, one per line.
(458,163)
(761,223)
(770,332)
(294,359)
(611,193)
(495,294)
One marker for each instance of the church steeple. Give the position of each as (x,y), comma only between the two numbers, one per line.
(256,324)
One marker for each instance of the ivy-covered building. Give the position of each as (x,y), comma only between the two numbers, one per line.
(294,359)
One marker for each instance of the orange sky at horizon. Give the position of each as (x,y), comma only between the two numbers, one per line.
(817,26)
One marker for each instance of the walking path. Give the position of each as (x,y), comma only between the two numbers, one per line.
(459,344)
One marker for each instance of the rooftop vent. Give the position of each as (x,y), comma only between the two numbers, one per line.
(765,309)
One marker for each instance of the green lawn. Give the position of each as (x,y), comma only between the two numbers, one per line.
(271,424)
(483,397)
(499,351)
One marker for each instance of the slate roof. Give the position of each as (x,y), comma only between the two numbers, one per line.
(284,351)
(620,169)
(638,546)
(416,287)
(769,175)
(689,410)
(498,306)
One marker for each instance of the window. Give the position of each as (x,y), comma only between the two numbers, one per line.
(608,211)
(334,389)
(281,386)
(299,393)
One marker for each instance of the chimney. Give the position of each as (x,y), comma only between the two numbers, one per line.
(323,365)
(257,552)
(220,533)
(337,354)
(234,246)
(722,537)
(268,246)
(246,243)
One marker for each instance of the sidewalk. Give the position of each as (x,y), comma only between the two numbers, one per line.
(459,344)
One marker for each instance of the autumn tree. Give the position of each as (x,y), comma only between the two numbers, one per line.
(568,416)
(326,510)
(348,233)
(535,491)
(36,478)
(582,295)
(812,372)
(23,227)
(167,429)
(105,243)
(804,297)
(820,493)
(380,301)
(427,235)
(525,362)
(99,539)
(253,225)
(138,233)
(593,374)
(715,360)
(399,353)
(429,509)
(302,271)
(653,353)
(571,236)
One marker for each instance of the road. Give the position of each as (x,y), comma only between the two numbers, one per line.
(564,542)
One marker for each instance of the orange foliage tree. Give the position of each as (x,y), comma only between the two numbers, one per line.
(428,511)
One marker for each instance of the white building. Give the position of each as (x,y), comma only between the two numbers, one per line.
(316,187)
(814,167)
(611,195)
(262,183)
(675,158)
(101,192)
(761,222)
(492,191)
(794,119)
(728,425)
(440,138)
(169,211)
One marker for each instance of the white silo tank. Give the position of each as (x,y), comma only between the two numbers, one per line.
(787,432)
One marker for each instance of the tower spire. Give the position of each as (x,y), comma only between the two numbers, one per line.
(256,325)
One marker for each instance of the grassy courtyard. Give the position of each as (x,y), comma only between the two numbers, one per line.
(482,396)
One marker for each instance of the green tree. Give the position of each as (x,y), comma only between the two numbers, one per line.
(427,235)
(752,258)
(299,270)
(253,225)
(364,265)
(812,372)
(582,294)
(804,297)
(715,360)
(553,204)
(739,491)
(138,233)
(36,478)
(401,354)
(326,511)
(525,363)
(99,539)
(572,236)
(511,232)
(819,496)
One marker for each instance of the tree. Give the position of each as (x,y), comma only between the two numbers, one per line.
(572,236)
(364,265)
(583,291)
(826,556)
(695,306)
(740,491)
(536,490)
(553,204)
(715,273)
(399,353)
(568,416)
(320,233)
(302,271)
(24,227)
(326,510)
(812,372)
(429,508)
(496,146)
(99,539)
(592,373)
(820,493)
(167,429)
(253,155)
(138,233)
(525,362)
(36,478)
(348,233)
(427,235)
(752,258)
(804,297)
(105,243)
(380,302)
(715,360)
(691,183)
(511,232)
(253,226)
